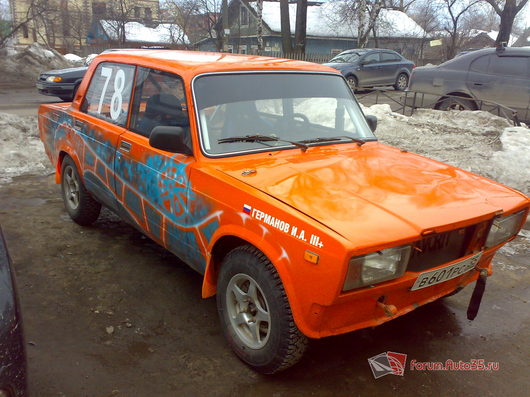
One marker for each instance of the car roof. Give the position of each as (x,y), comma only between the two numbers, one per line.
(191,63)
(464,60)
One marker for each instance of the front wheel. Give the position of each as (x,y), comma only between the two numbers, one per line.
(79,204)
(255,313)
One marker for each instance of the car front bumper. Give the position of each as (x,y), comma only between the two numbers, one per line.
(55,89)
(372,306)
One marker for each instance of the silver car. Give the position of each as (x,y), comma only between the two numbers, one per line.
(373,67)
(500,76)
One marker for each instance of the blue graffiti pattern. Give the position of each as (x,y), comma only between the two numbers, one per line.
(155,193)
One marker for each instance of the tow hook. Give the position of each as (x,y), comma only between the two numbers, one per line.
(476,297)
(390,310)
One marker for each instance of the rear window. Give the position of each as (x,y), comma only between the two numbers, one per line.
(509,66)
(389,57)
(109,93)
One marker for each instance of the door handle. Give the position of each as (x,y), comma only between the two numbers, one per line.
(125,146)
(79,124)
(478,84)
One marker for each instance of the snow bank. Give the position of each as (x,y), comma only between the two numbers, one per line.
(21,151)
(73,58)
(23,67)
(475,141)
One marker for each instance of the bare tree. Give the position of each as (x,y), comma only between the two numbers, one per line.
(186,21)
(285,27)
(259,26)
(300,26)
(362,13)
(119,13)
(507,10)
(36,9)
(456,9)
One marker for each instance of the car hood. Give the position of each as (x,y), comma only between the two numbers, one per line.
(374,193)
(67,72)
(339,65)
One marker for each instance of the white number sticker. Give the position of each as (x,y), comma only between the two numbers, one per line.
(117,98)
(116,101)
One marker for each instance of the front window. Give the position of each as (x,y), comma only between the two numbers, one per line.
(346,58)
(276,111)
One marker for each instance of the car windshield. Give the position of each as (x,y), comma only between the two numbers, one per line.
(249,112)
(346,58)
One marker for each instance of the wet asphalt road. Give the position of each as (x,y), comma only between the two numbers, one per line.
(109,313)
(75,283)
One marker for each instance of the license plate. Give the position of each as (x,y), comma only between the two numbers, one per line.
(40,86)
(426,279)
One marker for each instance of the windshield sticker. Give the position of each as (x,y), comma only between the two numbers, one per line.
(283,226)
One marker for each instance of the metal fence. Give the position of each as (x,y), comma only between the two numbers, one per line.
(409,101)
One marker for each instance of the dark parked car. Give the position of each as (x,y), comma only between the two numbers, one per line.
(12,352)
(373,67)
(62,83)
(496,75)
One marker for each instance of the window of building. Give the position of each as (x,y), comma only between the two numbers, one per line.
(137,12)
(159,99)
(148,14)
(243,16)
(25,31)
(109,93)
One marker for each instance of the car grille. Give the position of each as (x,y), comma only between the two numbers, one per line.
(442,248)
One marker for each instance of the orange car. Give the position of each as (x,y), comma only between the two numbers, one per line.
(264,175)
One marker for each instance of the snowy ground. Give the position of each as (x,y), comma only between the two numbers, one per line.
(475,141)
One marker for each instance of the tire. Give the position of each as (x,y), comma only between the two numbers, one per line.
(276,344)
(402,82)
(79,204)
(352,82)
(456,104)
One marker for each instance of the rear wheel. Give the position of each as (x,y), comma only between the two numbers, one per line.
(457,104)
(79,204)
(352,82)
(402,82)
(255,313)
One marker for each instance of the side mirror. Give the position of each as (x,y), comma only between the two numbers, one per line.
(170,139)
(372,122)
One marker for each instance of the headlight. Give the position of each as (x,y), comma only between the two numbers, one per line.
(377,267)
(504,228)
(54,79)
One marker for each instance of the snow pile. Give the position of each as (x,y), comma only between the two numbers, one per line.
(23,68)
(475,141)
(21,151)
(164,33)
(325,20)
(73,58)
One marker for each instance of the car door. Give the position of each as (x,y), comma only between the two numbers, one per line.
(501,79)
(390,65)
(98,124)
(153,186)
(370,72)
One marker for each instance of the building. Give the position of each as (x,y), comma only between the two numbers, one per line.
(64,24)
(327,34)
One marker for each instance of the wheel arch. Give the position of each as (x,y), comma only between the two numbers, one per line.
(60,159)
(234,237)
(454,93)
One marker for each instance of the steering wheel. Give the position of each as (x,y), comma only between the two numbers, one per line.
(301,116)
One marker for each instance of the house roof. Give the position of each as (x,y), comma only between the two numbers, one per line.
(492,35)
(323,20)
(166,33)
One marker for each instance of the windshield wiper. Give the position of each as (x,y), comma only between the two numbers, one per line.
(332,139)
(261,138)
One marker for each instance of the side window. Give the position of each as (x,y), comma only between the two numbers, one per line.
(372,58)
(109,93)
(481,64)
(159,99)
(509,66)
(389,57)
